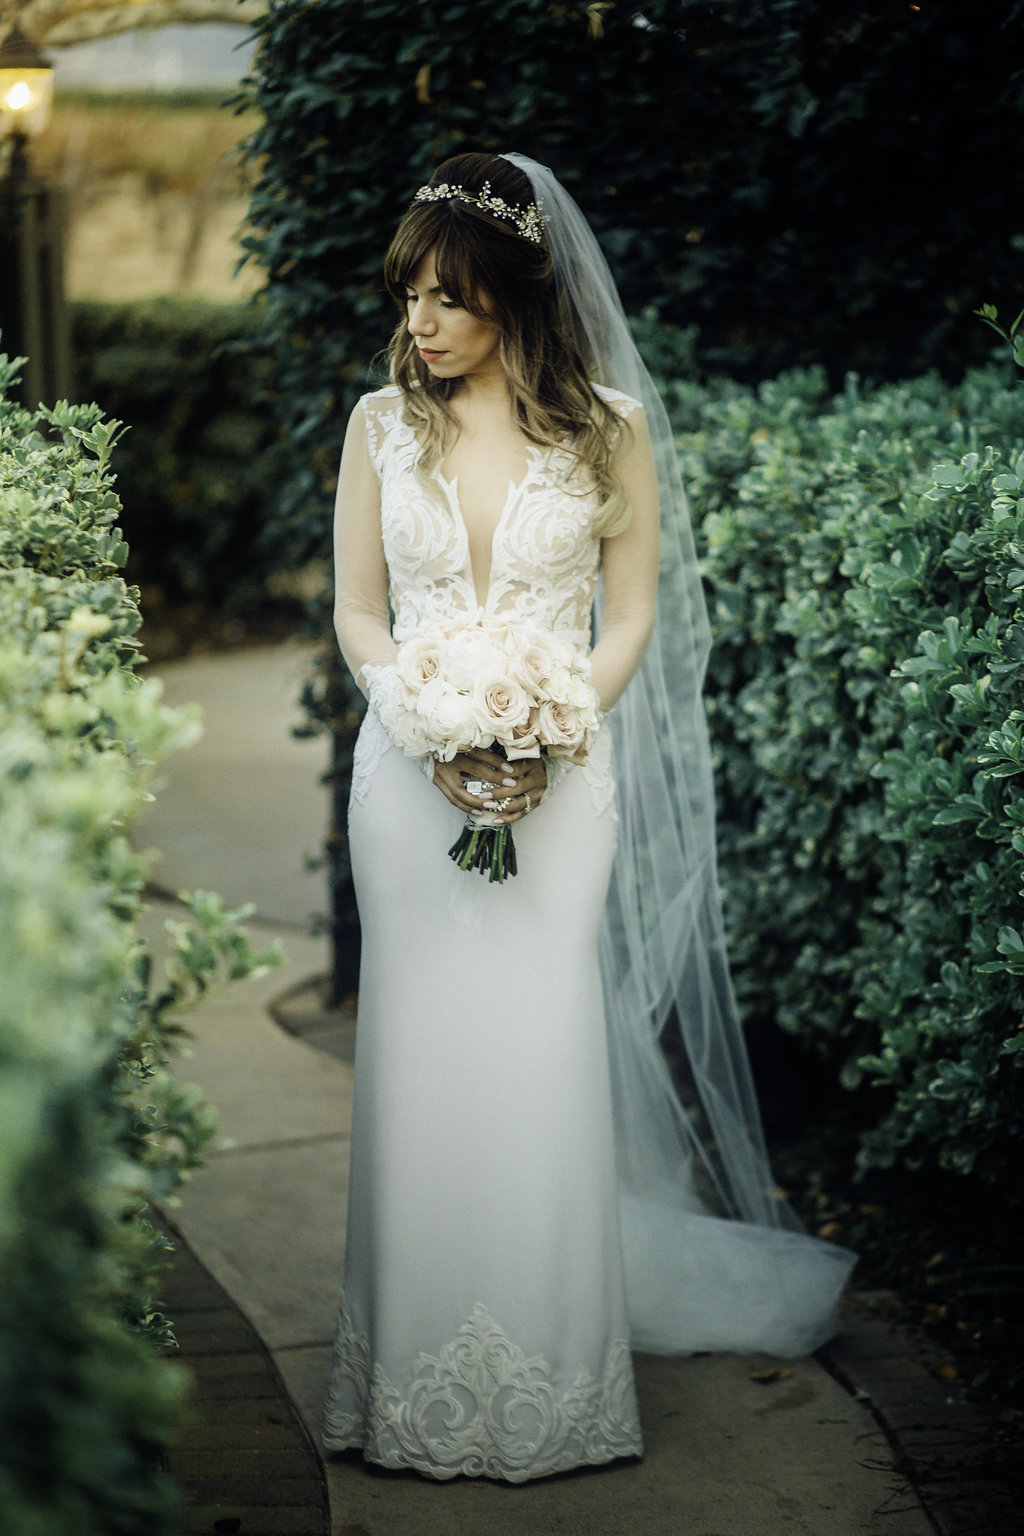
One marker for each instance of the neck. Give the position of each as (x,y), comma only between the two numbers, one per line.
(484,389)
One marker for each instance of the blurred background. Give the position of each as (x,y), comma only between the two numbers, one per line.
(140,141)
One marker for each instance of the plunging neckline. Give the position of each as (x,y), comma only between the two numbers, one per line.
(535,456)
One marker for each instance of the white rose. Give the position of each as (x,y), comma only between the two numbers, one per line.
(449,718)
(471,654)
(535,664)
(420,660)
(558,683)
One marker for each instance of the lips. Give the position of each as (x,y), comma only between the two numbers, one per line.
(428,356)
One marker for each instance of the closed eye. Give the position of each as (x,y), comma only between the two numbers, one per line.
(410,298)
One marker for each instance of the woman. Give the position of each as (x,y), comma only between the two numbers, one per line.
(531,1191)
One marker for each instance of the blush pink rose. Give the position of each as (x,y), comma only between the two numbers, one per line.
(525,740)
(561,730)
(500,704)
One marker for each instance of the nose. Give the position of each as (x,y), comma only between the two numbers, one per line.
(420,322)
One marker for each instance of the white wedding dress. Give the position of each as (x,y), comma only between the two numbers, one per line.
(483,1328)
(487,1310)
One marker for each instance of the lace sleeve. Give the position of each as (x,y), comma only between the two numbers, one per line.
(361,616)
(629,569)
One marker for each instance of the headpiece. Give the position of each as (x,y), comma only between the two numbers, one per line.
(529,220)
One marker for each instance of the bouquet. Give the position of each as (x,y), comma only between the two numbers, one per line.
(492,683)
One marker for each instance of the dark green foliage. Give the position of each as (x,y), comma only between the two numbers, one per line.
(786,181)
(788,175)
(91,1125)
(865,556)
(199,467)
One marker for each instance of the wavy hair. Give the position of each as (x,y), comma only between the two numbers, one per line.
(488,267)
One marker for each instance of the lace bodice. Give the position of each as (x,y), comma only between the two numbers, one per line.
(545,554)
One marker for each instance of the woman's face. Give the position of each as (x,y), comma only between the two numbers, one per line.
(453,343)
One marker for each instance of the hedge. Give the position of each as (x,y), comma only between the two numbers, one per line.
(865,561)
(199,468)
(91,1126)
(732,158)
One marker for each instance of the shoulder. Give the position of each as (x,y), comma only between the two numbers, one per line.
(379,404)
(380,397)
(619,401)
(377,413)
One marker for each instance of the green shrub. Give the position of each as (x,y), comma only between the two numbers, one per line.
(198,470)
(865,558)
(91,1127)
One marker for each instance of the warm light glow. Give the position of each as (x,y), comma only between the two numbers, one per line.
(26,96)
(19,96)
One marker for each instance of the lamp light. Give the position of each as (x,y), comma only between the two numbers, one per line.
(26,89)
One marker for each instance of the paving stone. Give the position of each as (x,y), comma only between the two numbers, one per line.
(240,1521)
(239,1437)
(254,1492)
(944,1443)
(237,1388)
(244,1458)
(220,1325)
(230,1367)
(259,1411)
(235,1464)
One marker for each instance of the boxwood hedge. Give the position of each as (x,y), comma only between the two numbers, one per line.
(91,1126)
(865,561)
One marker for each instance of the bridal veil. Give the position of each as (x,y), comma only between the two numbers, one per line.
(714,1258)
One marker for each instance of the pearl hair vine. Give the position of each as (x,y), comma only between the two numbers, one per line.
(529,220)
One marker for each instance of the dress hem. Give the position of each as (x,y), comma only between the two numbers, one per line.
(510,1475)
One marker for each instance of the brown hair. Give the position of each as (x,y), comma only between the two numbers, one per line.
(486,265)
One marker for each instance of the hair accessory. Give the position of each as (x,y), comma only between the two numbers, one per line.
(529,220)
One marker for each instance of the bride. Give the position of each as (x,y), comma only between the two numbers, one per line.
(556,1151)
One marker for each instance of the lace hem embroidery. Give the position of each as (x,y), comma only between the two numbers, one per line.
(481,1408)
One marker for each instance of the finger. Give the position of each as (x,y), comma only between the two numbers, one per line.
(497,775)
(471,800)
(446,788)
(483,757)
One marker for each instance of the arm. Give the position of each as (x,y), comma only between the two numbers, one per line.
(361,617)
(629,563)
(363,624)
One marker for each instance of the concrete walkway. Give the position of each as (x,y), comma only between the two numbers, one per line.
(728,1454)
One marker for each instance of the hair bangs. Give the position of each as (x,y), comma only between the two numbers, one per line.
(429,228)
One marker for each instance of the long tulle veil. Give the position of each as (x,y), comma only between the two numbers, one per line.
(714,1259)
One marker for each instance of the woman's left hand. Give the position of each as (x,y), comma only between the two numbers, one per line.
(530,775)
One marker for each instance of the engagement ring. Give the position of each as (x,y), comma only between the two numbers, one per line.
(479,787)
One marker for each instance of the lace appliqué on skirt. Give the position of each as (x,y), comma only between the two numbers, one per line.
(481,1408)
(599,775)
(371,744)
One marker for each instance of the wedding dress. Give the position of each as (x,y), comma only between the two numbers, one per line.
(506,1243)
(483,1329)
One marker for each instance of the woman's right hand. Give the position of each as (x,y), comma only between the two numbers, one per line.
(522,783)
